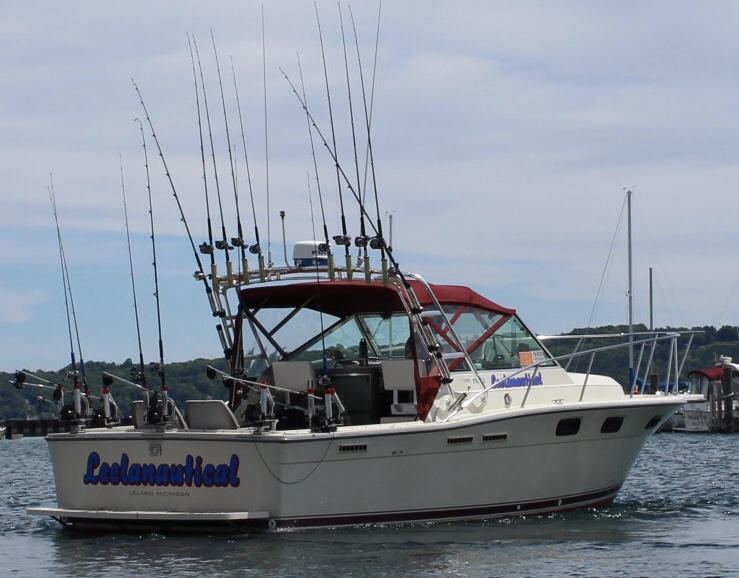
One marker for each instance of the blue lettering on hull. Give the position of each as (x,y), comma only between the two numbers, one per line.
(519,381)
(192,473)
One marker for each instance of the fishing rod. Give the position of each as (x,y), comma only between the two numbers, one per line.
(266,143)
(343,239)
(140,375)
(223,243)
(237,241)
(156,413)
(329,251)
(200,275)
(367,117)
(361,241)
(69,305)
(372,90)
(205,248)
(225,337)
(19,382)
(256,248)
(339,168)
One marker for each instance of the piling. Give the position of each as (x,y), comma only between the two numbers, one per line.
(727,399)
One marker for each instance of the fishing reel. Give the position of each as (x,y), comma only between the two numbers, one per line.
(67,414)
(19,381)
(343,240)
(206,248)
(136,376)
(377,243)
(223,245)
(155,412)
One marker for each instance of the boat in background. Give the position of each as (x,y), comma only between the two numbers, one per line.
(358,393)
(708,414)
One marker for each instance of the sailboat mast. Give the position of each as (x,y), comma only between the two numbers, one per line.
(630,293)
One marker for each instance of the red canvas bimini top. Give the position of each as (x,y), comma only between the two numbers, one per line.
(344,298)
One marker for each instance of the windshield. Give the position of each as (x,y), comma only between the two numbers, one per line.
(359,338)
(492,340)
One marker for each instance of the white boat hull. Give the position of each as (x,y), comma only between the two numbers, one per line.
(503,464)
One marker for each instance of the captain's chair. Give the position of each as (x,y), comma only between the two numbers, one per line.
(397,376)
(293,375)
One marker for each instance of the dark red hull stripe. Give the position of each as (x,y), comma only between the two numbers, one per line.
(538,507)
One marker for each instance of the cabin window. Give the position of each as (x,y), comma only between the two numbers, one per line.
(569,426)
(357,339)
(612,424)
(491,341)
(653,422)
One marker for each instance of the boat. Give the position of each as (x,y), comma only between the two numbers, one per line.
(707,415)
(410,402)
(357,393)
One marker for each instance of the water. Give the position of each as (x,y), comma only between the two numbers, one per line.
(677,515)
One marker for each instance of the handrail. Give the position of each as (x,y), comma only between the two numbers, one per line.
(673,336)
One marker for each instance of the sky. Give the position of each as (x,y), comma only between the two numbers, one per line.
(504,135)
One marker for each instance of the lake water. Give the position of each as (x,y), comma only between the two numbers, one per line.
(676,516)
